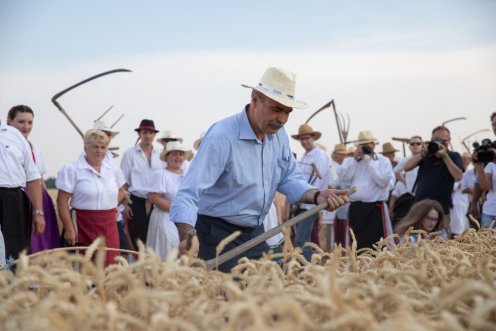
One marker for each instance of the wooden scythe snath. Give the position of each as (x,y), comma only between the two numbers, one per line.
(342,124)
(403,141)
(61,93)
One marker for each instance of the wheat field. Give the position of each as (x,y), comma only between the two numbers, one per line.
(434,285)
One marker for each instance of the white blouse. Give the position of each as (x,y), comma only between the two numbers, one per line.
(165,183)
(90,190)
(38,159)
(16,160)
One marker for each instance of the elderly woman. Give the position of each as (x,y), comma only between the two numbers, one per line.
(21,117)
(164,184)
(426,215)
(93,189)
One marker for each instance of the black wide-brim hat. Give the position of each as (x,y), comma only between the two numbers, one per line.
(146,125)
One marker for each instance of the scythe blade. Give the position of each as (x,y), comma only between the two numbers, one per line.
(61,93)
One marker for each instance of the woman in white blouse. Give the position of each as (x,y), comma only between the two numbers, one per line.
(164,185)
(93,189)
(21,117)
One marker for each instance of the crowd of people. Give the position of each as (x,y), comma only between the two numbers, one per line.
(244,177)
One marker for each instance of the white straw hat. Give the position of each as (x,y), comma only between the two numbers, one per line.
(279,85)
(198,141)
(169,135)
(365,137)
(174,146)
(102,126)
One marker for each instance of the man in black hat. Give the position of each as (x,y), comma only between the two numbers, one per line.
(138,163)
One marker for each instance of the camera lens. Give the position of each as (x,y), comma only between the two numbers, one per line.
(366,149)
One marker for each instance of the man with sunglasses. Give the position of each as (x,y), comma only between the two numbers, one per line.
(437,170)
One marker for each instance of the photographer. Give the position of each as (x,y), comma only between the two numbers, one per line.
(438,170)
(474,209)
(373,177)
(487,180)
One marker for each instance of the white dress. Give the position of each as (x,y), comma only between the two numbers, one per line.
(458,213)
(162,235)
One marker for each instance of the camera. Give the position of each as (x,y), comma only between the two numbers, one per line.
(366,150)
(483,154)
(434,146)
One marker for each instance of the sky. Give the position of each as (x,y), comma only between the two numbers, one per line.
(396,68)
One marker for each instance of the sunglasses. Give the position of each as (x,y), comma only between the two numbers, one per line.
(415,144)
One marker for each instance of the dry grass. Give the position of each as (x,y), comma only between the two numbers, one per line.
(435,285)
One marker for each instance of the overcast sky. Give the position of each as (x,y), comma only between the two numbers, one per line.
(397,68)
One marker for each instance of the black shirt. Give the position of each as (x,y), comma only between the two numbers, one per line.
(434,180)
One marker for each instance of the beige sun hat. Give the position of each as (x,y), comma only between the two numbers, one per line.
(174,146)
(365,137)
(167,134)
(340,149)
(102,126)
(351,150)
(306,129)
(198,141)
(388,148)
(279,85)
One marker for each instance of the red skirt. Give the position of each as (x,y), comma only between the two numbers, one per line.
(92,224)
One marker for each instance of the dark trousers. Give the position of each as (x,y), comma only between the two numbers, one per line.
(15,220)
(366,221)
(212,230)
(138,225)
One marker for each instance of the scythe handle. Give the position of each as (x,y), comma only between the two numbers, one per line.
(212,263)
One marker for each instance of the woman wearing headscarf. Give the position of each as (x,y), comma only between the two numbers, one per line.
(89,193)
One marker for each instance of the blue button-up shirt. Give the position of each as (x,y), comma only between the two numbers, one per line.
(234,176)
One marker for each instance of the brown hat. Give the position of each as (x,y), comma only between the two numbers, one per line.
(388,148)
(306,129)
(340,149)
(365,137)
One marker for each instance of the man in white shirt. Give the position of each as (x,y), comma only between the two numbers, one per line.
(402,195)
(138,163)
(315,167)
(373,177)
(18,170)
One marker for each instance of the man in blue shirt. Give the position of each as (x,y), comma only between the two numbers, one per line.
(242,161)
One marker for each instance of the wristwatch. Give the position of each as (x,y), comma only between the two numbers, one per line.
(315,196)
(38,212)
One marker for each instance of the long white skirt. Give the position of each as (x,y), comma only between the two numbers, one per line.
(162,234)
(458,213)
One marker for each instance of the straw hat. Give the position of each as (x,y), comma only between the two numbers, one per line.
(365,137)
(169,135)
(306,129)
(198,141)
(102,126)
(340,149)
(146,125)
(279,85)
(174,146)
(388,148)
(350,150)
